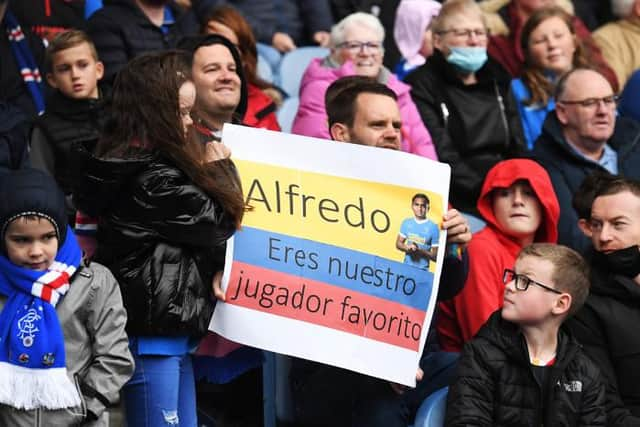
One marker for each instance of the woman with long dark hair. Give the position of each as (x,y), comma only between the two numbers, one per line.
(167,204)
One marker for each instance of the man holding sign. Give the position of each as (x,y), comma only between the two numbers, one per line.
(365,112)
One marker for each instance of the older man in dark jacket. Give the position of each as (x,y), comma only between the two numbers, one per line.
(582,136)
(607,325)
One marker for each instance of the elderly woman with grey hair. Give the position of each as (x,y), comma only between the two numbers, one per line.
(356,49)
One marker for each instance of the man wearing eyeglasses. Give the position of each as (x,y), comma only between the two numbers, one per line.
(607,325)
(581,136)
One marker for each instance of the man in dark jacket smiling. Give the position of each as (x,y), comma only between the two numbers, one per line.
(582,136)
(607,324)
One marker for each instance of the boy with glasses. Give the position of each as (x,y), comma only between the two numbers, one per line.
(522,368)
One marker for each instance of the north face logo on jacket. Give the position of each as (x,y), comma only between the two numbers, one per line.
(571,386)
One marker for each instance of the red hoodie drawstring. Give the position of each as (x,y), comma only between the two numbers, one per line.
(47,8)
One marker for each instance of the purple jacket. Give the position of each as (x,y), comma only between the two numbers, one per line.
(311,119)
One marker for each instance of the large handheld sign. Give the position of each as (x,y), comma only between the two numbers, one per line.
(315,271)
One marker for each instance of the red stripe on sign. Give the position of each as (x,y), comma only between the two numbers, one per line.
(326,305)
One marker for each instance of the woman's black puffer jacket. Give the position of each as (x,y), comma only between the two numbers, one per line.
(160,234)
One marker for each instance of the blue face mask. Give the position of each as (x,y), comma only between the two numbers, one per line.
(468,59)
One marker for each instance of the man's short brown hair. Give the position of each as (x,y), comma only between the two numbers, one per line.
(67,40)
(618,185)
(343,94)
(570,271)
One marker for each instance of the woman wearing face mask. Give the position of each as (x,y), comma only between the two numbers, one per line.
(550,48)
(356,49)
(462,96)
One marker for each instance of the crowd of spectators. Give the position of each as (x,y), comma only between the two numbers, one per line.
(118,106)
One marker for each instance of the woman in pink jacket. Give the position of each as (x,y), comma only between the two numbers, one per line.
(356,48)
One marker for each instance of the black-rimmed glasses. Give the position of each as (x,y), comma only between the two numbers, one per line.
(522,282)
(356,47)
(608,101)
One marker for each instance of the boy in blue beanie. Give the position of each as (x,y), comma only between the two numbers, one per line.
(64,352)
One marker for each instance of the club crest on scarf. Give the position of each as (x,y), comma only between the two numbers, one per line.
(27,326)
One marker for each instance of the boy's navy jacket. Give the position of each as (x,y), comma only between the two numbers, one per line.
(14,131)
(66,121)
(495,384)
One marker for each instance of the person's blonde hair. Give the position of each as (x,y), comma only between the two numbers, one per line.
(454,8)
(570,271)
(67,40)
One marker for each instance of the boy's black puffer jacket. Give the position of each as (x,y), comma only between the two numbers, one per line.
(495,384)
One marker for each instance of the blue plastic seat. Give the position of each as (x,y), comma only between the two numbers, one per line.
(475,223)
(278,402)
(264,69)
(287,112)
(91,6)
(431,412)
(294,64)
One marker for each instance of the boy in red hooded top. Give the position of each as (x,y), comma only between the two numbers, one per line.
(520,207)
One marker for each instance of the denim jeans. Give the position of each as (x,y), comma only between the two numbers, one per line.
(337,397)
(161,392)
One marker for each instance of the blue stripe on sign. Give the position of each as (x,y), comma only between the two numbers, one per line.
(358,271)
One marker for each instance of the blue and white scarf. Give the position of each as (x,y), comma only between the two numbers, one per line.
(33,371)
(24,60)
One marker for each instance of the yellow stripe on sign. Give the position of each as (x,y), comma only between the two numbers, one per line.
(350,213)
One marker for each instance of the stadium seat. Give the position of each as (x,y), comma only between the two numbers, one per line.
(294,64)
(91,6)
(431,412)
(287,112)
(475,223)
(264,70)
(278,402)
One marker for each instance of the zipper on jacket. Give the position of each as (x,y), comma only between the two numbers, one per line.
(503,114)
(445,113)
